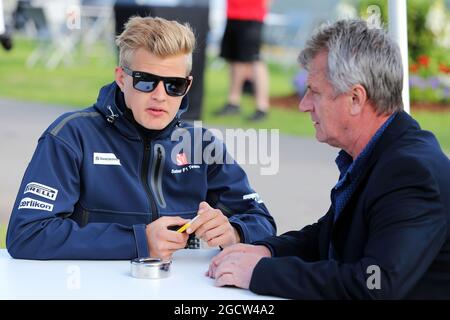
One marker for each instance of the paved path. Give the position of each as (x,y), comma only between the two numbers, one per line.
(296,196)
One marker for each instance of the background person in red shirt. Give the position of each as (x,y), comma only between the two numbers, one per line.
(241,46)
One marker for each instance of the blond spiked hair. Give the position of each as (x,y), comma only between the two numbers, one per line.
(159,36)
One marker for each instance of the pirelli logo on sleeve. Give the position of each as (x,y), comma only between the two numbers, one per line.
(41,190)
(28,203)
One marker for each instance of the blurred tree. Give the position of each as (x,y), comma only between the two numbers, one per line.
(420,37)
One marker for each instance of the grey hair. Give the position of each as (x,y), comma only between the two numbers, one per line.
(359,54)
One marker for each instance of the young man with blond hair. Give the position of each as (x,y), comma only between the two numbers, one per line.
(106,183)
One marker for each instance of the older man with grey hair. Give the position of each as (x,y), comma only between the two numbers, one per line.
(387,232)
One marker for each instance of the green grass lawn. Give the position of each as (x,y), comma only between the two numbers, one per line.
(75,85)
(2,236)
(78,85)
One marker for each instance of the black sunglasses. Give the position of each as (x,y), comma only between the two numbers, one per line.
(147,82)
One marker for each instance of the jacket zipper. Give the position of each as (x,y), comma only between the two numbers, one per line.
(156,177)
(144,177)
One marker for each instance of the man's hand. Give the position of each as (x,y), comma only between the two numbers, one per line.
(213,227)
(241,248)
(163,242)
(234,265)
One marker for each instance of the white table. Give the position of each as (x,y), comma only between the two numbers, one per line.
(87,279)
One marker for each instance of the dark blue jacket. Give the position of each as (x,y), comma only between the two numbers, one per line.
(397,221)
(94,183)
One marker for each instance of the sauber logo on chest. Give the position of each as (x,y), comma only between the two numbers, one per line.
(41,190)
(185,169)
(108,159)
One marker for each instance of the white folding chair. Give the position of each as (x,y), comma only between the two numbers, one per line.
(56,41)
(97,22)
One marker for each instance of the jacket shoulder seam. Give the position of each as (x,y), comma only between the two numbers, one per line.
(75,115)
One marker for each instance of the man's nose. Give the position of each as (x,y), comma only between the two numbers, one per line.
(305,104)
(160,92)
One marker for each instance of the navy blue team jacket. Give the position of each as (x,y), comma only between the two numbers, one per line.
(94,183)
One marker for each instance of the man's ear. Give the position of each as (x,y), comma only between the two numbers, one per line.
(358,94)
(119,76)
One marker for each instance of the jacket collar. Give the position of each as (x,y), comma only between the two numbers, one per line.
(400,124)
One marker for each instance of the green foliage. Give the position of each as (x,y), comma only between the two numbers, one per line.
(429,64)
(420,38)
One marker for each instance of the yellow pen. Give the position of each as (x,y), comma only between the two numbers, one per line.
(187,225)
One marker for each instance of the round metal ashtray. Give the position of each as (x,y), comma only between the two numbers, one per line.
(150,268)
